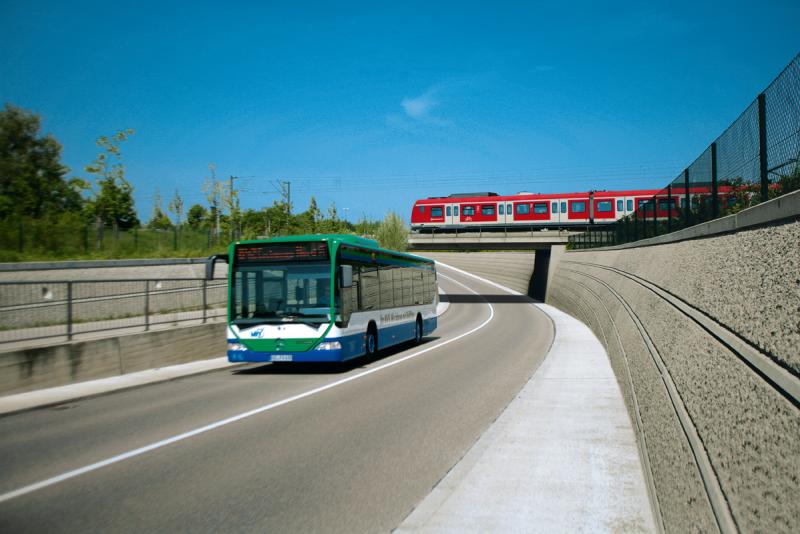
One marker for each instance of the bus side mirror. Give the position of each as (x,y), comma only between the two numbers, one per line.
(346,276)
(211,262)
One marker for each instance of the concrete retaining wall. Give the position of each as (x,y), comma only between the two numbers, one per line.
(682,324)
(37,368)
(511,269)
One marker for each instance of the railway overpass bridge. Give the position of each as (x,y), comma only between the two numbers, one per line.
(489,240)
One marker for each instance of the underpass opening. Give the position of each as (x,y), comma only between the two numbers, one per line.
(538,284)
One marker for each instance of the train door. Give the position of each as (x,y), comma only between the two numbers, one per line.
(448,215)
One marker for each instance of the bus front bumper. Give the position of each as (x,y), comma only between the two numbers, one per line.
(332,350)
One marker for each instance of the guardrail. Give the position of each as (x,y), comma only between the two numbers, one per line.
(34,310)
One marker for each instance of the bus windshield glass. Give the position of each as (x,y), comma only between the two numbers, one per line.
(281,292)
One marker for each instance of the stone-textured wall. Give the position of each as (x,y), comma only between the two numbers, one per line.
(511,269)
(749,282)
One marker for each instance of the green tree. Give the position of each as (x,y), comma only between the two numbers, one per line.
(112,202)
(175,207)
(32,179)
(213,191)
(393,233)
(158,220)
(197,217)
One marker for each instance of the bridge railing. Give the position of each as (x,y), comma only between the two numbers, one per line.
(35,310)
(757,158)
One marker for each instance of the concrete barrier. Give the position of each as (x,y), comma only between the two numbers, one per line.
(65,363)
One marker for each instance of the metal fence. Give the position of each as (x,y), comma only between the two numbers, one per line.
(755,159)
(64,309)
(68,237)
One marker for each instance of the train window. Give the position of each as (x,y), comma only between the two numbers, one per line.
(422,209)
(468,211)
(563,207)
(455,211)
(500,208)
(487,210)
(578,206)
(605,206)
(619,205)
(554,207)
(683,202)
(448,211)
(540,208)
(630,205)
(523,209)
(665,204)
(436,212)
(508,209)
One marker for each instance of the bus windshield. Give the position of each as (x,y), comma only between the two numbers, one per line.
(280,293)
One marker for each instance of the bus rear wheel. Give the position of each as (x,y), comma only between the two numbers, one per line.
(371,341)
(418,332)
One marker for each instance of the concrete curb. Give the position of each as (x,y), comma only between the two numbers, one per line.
(72,392)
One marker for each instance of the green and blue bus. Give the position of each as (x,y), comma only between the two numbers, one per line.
(324,298)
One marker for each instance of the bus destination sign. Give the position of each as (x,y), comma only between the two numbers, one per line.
(273,252)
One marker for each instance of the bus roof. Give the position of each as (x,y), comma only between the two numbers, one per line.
(344,239)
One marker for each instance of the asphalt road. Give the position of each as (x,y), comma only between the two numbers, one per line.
(355,456)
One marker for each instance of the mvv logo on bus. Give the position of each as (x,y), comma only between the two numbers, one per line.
(395,317)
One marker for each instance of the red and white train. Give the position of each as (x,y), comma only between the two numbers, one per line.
(545,210)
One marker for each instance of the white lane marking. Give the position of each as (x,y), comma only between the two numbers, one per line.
(180,437)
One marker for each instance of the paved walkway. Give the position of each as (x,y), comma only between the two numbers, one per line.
(562,457)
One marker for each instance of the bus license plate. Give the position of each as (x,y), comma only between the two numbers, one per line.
(281,357)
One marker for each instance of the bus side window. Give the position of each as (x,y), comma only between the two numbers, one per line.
(350,297)
(386,277)
(369,288)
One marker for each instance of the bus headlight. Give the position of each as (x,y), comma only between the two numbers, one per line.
(329,345)
(236,346)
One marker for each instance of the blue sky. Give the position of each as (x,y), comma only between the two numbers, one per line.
(371,105)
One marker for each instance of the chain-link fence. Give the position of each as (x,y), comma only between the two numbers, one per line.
(66,309)
(756,158)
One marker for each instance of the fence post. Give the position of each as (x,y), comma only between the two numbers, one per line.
(147,305)
(714,185)
(69,311)
(205,298)
(655,215)
(669,208)
(687,198)
(762,146)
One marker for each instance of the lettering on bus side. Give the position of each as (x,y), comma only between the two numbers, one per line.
(387,318)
